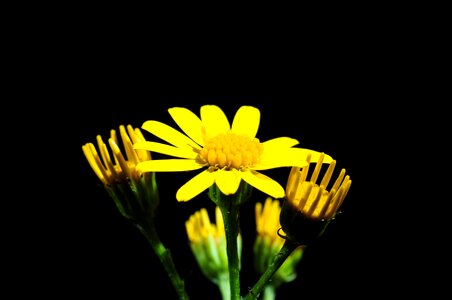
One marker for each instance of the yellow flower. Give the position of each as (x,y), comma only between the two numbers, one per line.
(314,200)
(208,245)
(112,172)
(199,227)
(135,194)
(267,221)
(268,243)
(228,153)
(310,206)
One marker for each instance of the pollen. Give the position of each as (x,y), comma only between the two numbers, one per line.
(231,151)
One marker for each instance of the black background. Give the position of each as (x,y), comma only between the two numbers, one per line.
(340,96)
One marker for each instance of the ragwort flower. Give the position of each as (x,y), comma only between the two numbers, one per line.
(112,172)
(135,193)
(208,245)
(227,153)
(268,243)
(310,205)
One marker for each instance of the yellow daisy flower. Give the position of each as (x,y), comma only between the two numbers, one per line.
(312,199)
(311,205)
(135,193)
(118,170)
(227,153)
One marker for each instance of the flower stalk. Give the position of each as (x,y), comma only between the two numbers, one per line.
(269,293)
(225,288)
(230,210)
(149,231)
(134,193)
(288,247)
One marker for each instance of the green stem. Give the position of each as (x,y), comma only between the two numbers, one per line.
(279,259)
(269,293)
(230,207)
(230,213)
(164,255)
(223,285)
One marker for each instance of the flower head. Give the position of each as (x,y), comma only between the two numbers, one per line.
(208,244)
(134,192)
(228,153)
(268,243)
(309,206)
(112,172)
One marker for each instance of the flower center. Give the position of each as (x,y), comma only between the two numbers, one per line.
(231,151)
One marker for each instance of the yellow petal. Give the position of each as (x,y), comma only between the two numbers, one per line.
(188,122)
(169,134)
(166,149)
(228,181)
(98,168)
(279,143)
(122,162)
(263,183)
(296,157)
(196,185)
(278,159)
(315,155)
(246,121)
(168,165)
(258,217)
(214,120)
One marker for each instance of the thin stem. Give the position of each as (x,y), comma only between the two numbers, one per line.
(230,207)
(223,285)
(269,293)
(230,212)
(164,255)
(279,259)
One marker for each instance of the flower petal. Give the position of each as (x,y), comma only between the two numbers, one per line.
(292,157)
(214,120)
(315,155)
(169,134)
(263,183)
(279,161)
(188,122)
(94,161)
(280,143)
(166,149)
(196,185)
(228,181)
(275,158)
(246,121)
(168,165)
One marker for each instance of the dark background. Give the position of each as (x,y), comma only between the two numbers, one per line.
(343,92)
(365,86)
(82,245)
(345,107)
(111,256)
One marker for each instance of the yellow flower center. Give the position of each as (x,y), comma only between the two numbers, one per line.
(231,151)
